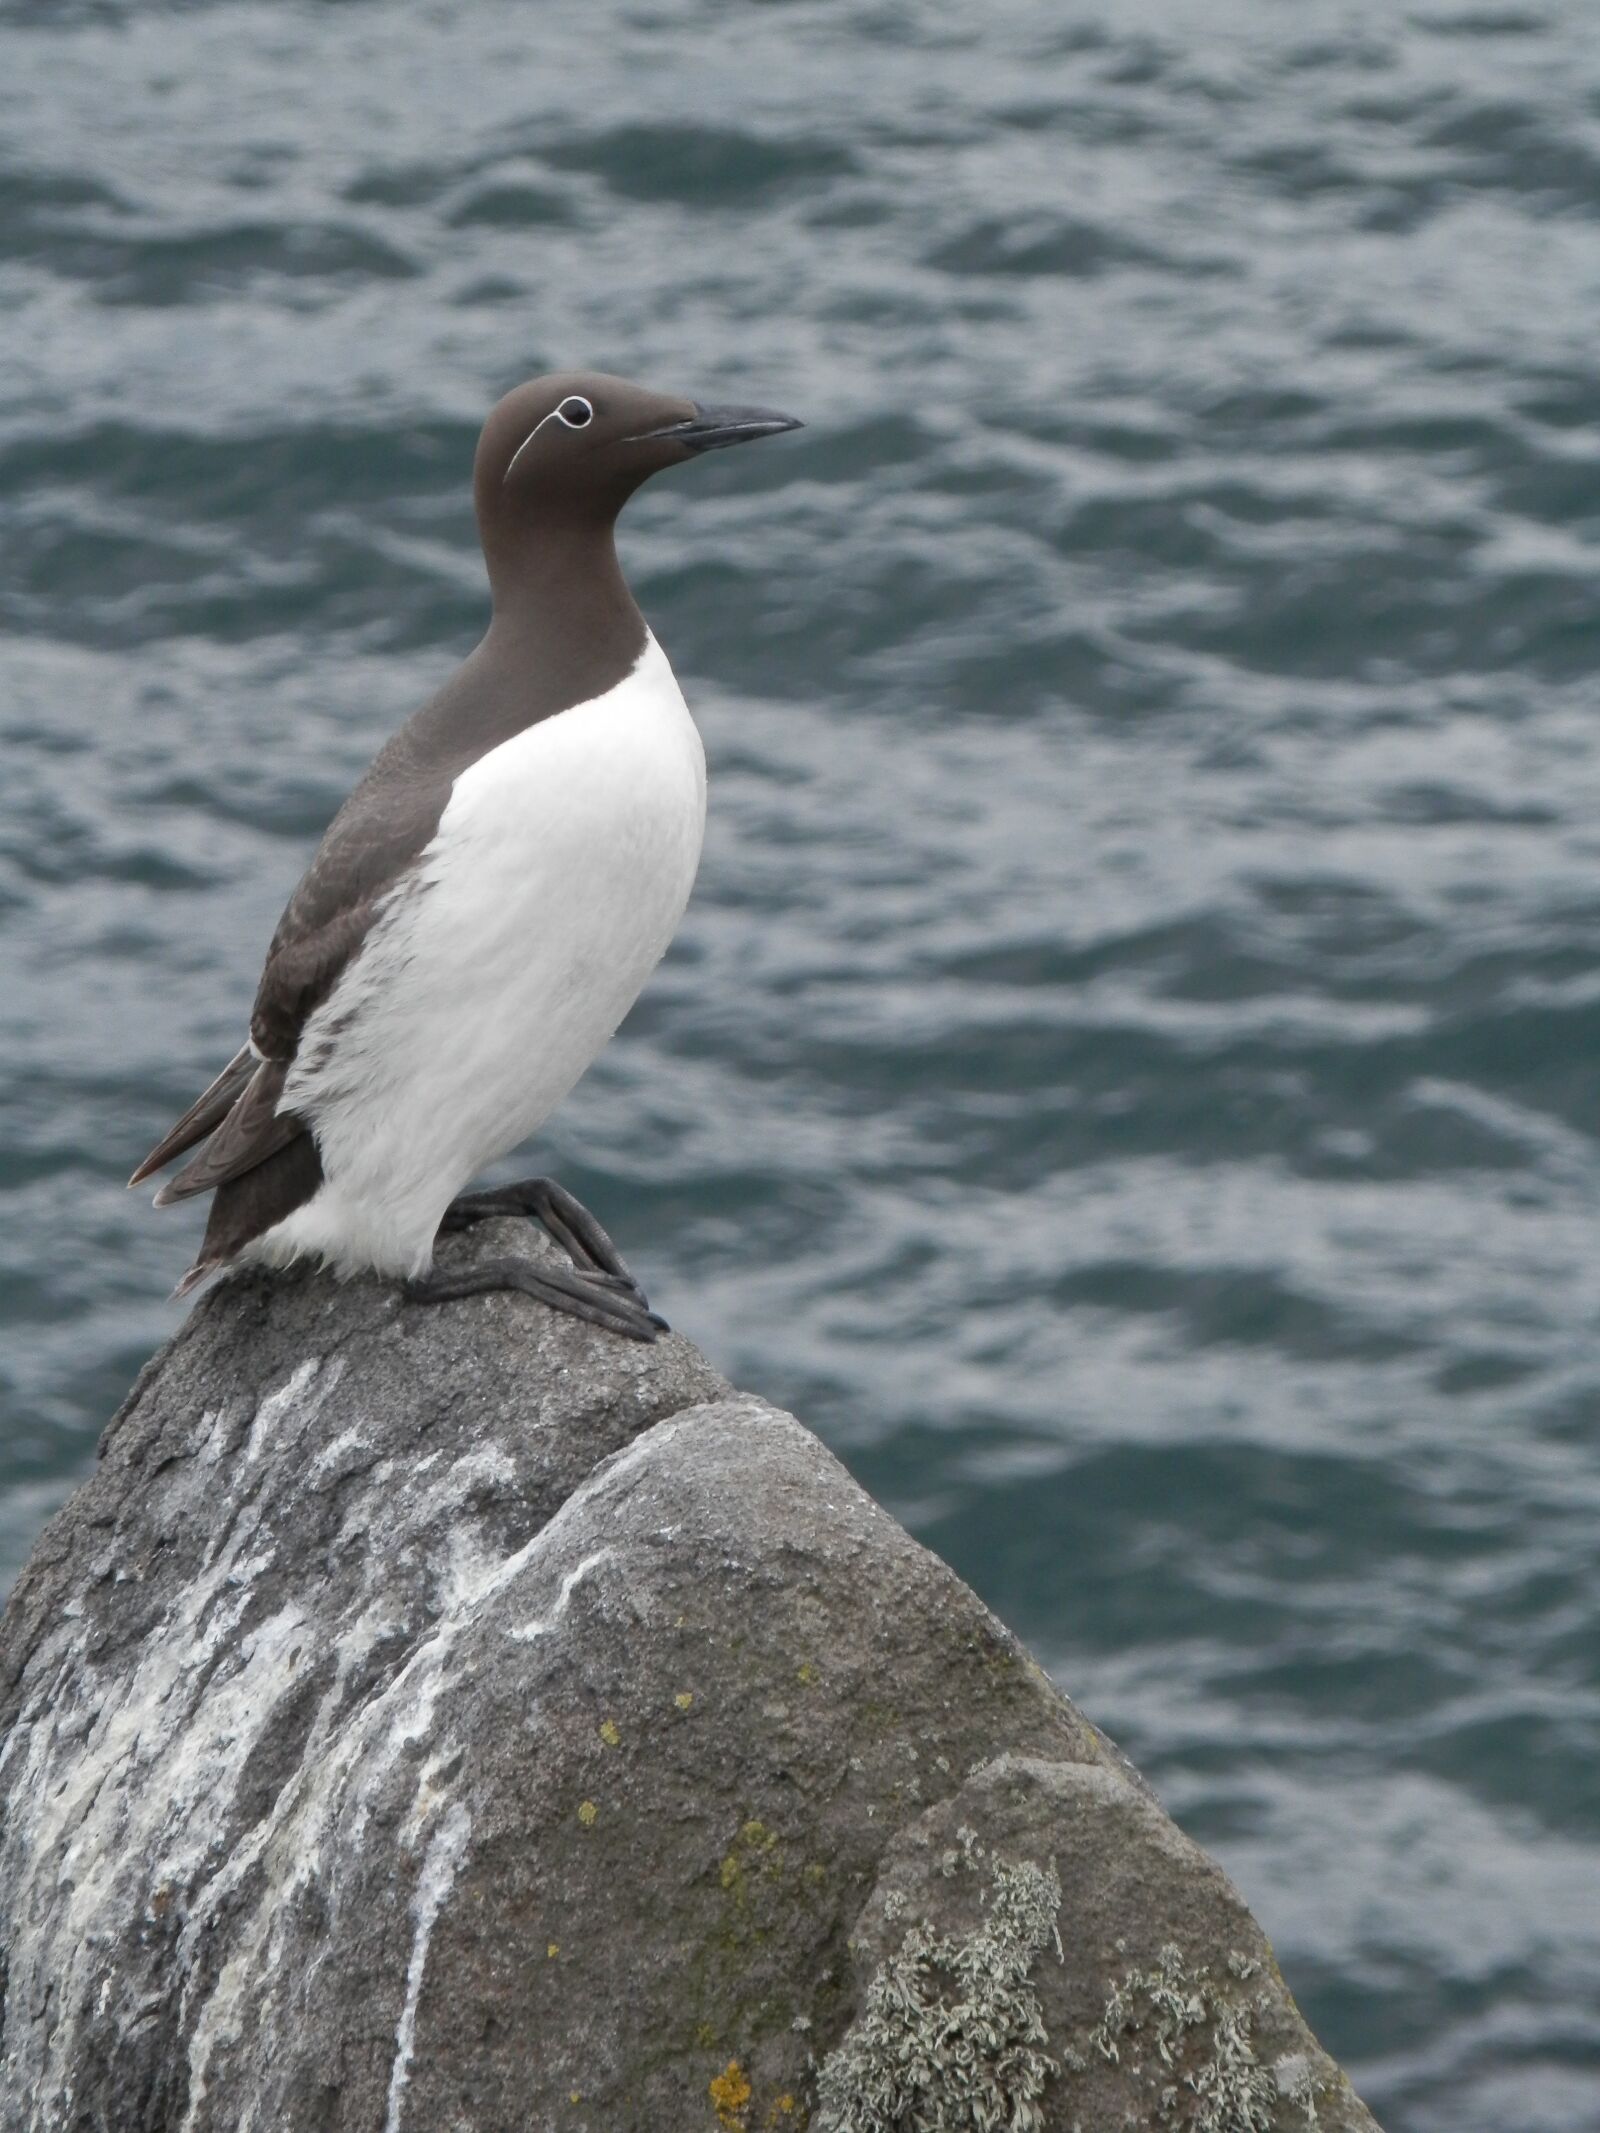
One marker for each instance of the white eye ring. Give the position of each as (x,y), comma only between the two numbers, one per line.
(574,413)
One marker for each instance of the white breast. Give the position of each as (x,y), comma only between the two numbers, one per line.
(556,878)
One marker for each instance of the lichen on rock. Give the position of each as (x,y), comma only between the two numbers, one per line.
(1212,2081)
(1165,2013)
(952,2038)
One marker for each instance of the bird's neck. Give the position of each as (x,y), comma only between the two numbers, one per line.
(560,598)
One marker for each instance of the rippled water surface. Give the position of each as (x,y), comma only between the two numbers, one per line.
(1128,1075)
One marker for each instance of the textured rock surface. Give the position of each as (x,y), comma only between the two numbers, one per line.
(459,1720)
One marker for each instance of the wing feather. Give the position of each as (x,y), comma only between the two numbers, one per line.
(206,1112)
(371,845)
(254,1129)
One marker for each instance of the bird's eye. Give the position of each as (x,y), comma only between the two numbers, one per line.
(576,413)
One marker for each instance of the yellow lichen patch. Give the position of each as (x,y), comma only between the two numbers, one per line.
(730,2092)
(785,2107)
(683,1699)
(574,2095)
(808,1675)
(587,1813)
(754,1850)
(553,1950)
(609,1733)
(705,2036)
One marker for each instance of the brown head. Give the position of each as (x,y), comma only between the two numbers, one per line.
(561,455)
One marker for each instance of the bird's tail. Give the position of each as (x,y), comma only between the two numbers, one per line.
(202,1270)
(247,1206)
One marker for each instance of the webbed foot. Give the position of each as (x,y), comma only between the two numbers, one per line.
(601,1289)
(599,1298)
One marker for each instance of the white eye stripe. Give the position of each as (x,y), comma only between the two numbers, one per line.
(556,414)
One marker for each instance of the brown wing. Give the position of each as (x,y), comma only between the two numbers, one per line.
(371,844)
(253,1129)
(303,965)
(203,1115)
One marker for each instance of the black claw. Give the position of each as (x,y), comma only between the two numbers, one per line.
(558,1211)
(577,1294)
(608,1296)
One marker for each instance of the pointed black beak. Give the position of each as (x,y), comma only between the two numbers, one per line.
(709,429)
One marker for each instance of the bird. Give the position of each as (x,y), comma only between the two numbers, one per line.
(486,905)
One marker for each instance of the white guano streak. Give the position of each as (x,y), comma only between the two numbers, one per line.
(569,1585)
(348,1766)
(440,1865)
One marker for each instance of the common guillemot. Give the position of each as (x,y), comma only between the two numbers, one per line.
(486,906)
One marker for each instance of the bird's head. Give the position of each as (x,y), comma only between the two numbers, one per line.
(575,445)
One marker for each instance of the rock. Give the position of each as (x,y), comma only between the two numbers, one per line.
(1057,1905)
(456,1719)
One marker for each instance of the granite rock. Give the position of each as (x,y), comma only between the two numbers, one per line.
(455,1719)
